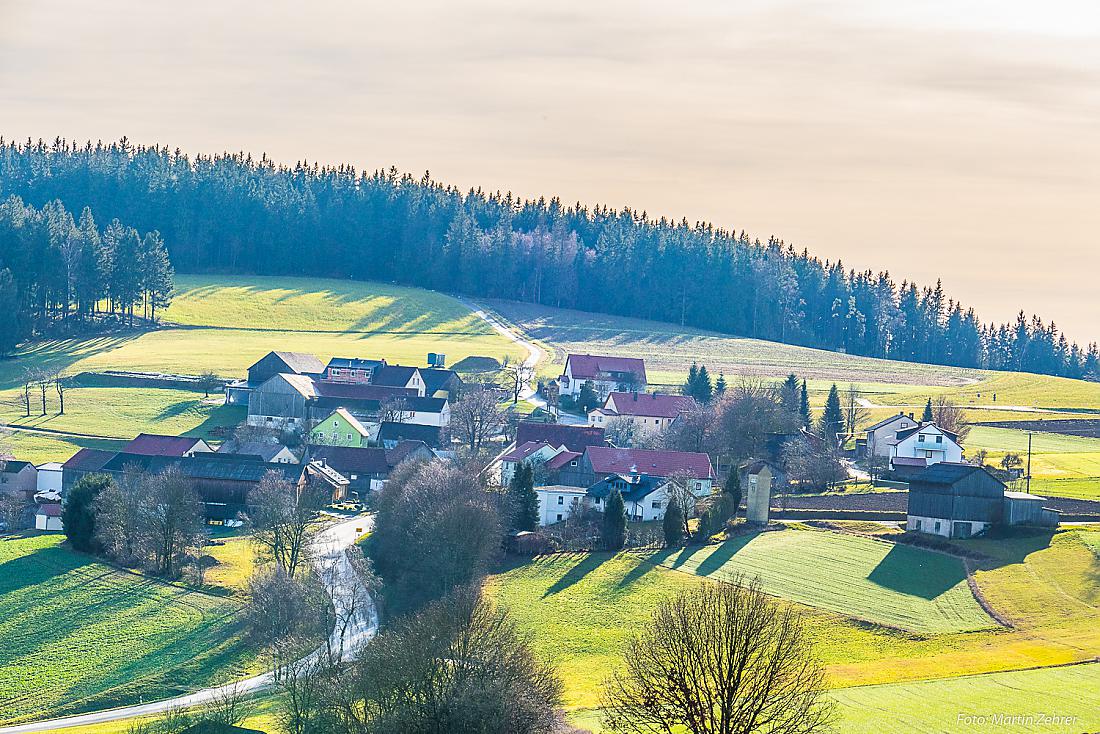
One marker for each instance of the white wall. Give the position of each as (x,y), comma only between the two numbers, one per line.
(555,502)
(49,480)
(929,450)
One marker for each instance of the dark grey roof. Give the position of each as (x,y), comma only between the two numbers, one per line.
(438,379)
(945,472)
(885,421)
(427,405)
(392,375)
(901,435)
(12,466)
(354,363)
(229,467)
(637,486)
(409,431)
(267,450)
(301,363)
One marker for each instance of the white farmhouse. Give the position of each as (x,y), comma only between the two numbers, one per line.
(650,412)
(605,373)
(925,442)
(558,502)
(880,435)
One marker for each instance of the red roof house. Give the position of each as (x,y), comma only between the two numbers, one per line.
(153,444)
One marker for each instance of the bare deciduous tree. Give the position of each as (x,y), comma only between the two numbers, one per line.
(11,512)
(720,659)
(395,410)
(517,375)
(950,417)
(60,386)
(230,705)
(173,515)
(476,418)
(855,413)
(284,520)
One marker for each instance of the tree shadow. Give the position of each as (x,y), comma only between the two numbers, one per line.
(917,572)
(57,354)
(722,554)
(587,565)
(645,565)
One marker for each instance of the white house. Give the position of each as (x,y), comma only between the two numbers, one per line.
(48,518)
(558,502)
(927,442)
(605,373)
(535,452)
(882,433)
(648,411)
(49,477)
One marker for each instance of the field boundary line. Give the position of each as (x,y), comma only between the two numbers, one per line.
(1075,663)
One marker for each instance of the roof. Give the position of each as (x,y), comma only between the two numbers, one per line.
(266,450)
(155,444)
(946,472)
(887,421)
(436,378)
(592,366)
(350,419)
(352,459)
(649,404)
(902,435)
(299,362)
(522,451)
(390,431)
(427,405)
(574,438)
(89,459)
(51,466)
(909,461)
(12,466)
(606,460)
(353,391)
(560,460)
(50,510)
(562,489)
(638,486)
(404,450)
(354,363)
(393,376)
(755,467)
(1023,496)
(228,467)
(302,383)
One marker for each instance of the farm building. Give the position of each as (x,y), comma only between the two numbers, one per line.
(48,518)
(605,373)
(273,363)
(269,451)
(153,444)
(19,478)
(600,461)
(82,463)
(1022,508)
(50,477)
(390,434)
(367,469)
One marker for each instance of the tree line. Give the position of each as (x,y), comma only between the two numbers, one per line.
(60,272)
(236,213)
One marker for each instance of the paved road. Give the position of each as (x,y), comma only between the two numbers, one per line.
(362,623)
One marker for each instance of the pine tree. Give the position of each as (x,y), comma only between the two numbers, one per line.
(804,406)
(704,390)
(614,522)
(732,489)
(673,524)
(78,514)
(832,420)
(720,385)
(790,395)
(927,415)
(522,498)
(692,383)
(588,400)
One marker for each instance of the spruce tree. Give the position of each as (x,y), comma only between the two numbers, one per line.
(832,420)
(78,514)
(790,394)
(588,400)
(521,495)
(804,406)
(614,522)
(692,381)
(704,391)
(720,385)
(927,415)
(673,524)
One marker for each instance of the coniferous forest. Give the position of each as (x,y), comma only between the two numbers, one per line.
(235,213)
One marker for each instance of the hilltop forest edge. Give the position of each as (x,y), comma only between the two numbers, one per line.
(236,214)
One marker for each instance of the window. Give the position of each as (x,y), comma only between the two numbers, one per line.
(561,500)
(559,517)
(939,439)
(920,437)
(354,477)
(928,454)
(320,435)
(573,462)
(937,526)
(656,505)
(599,500)
(698,486)
(349,436)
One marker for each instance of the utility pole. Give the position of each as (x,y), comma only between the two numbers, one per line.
(1029,435)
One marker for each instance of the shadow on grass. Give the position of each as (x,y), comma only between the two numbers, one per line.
(722,554)
(645,565)
(587,565)
(916,572)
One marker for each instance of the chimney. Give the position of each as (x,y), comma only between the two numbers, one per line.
(910,415)
(635,396)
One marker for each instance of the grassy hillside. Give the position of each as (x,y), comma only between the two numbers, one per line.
(224,324)
(888,584)
(76,634)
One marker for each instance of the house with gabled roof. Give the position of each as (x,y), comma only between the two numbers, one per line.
(18,478)
(535,453)
(340,428)
(606,374)
(650,412)
(269,451)
(271,364)
(574,438)
(878,437)
(599,461)
(367,469)
(925,442)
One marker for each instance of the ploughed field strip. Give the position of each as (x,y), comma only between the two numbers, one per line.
(899,501)
(78,635)
(889,584)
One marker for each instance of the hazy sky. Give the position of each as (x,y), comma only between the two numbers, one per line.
(956,139)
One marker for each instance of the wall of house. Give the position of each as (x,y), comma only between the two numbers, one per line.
(929,449)
(556,506)
(276,403)
(25,482)
(878,440)
(945,527)
(49,480)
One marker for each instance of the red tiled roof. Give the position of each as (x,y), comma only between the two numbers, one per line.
(574,438)
(89,459)
(648,404)
(592,366)
(557,462)
(655,463)
(361,392)
(153,444)
(51,510)
(522,451)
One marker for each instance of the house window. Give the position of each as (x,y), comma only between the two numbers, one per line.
(656,505)
(559,517)
(937,526)
(354,477)
(349,436)
(939,439)
(573,462)
(599,500)
(920,437)
(335,424)
(928,454)
(321,436)
(698,486)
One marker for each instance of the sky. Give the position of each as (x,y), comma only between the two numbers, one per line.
(953,139)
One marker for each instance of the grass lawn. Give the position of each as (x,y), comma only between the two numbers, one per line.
(934,707)
(1061,465)
(893,585)
(39,448)
(76,634)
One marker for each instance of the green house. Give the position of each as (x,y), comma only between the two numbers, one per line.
(340,428)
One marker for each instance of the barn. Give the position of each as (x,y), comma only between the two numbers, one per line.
(955,500)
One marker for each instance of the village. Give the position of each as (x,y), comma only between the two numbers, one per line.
(345,425)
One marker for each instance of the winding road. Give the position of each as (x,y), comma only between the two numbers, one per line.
(362,623)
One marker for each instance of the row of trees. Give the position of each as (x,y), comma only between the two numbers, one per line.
(233,212)
(59,270)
